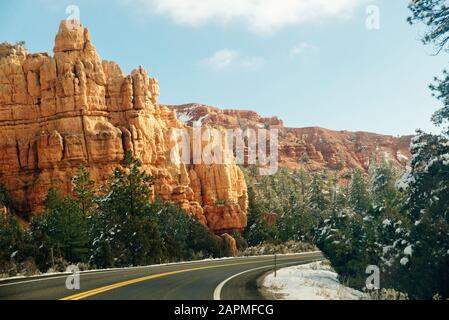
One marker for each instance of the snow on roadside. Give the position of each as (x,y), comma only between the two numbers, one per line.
(313,281)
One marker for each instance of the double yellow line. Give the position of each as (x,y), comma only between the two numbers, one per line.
(90,293)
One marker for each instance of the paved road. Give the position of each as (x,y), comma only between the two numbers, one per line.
(204,280)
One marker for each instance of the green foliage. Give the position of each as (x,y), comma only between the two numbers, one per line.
(319,199)
(124,231)
(304,158)
(84,190)
(435,15)
(183,236)
(257,230)
(63,227)
(405,230)
(127,229)
(14,241)
(359,198)
(3,196)
(427,188)
(118,226)
(283,206)
(241,242)
(365,230)
(426,183)
(340,161)
(383,186)
(343,241)
(127,192)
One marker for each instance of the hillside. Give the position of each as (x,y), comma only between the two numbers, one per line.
(313,148)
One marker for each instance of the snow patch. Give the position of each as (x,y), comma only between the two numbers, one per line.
(408,250)
(13,255)
(313,281)
(401,157)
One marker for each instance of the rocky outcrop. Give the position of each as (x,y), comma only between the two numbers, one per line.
(312,149)
(231,244)
(57,112)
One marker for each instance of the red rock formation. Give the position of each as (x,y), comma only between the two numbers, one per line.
(312,149)
(70,109)
(231,243)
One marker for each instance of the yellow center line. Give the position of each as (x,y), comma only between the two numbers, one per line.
(90,293)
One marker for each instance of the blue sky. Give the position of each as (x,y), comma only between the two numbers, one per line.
(310,62)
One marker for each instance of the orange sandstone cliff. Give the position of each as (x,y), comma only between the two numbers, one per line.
(60,111)
(311,149)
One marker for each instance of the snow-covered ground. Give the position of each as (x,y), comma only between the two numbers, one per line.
(313,281)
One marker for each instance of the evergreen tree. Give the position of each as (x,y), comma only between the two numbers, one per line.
(125,230)
(63,228)
(383,187)
(84,190)
(345,241)
(203,243)
(319,195)
(427,188)
(426,259)
(435,15)
(3,196)
(257,230)
(183,236)
(359,198)
(15,246)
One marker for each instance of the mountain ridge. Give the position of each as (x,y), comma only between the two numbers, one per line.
(324,148)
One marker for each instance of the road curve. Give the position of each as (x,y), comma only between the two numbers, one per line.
(225,279)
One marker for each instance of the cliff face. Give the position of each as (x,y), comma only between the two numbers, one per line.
(312,149)
(70,109)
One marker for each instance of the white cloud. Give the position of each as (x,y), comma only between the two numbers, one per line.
(224,58)
(261,16)
(302,48)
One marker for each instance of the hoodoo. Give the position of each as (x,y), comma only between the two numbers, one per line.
(57,112)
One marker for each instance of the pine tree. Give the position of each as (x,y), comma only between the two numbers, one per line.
(125,230)
(183,236)
(15,246)
(427,188)
(435,15)
(63,228)
(3,196)
(84,189)
(426,259)
(319,195)
(383,187)
(359,198)
(257,230)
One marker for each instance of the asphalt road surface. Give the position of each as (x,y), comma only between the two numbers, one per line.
(225,279)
